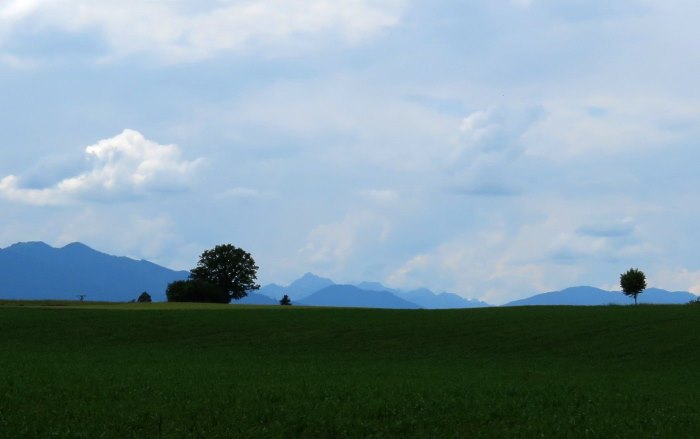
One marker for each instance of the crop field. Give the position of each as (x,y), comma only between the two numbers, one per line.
(161,370)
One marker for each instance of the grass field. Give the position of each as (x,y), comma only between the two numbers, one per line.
(95,370)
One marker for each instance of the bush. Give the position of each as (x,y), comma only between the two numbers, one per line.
(195,290)
(144,298)
(286,300)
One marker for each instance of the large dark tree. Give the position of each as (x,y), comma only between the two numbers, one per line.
(230,268)
(633,282)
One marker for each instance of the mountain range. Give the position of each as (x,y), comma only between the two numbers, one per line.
(35,270)
(585,295)
(313,290)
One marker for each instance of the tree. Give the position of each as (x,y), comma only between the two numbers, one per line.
(633,283)
(144,298)
(195,290)
(286,300)
(230,268)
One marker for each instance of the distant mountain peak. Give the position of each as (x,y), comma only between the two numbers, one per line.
(351,296)
(309,283)
(29,245)
(311,276)
(76,244)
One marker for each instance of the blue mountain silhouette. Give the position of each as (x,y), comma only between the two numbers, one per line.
(426,298)
(301,289)
(35,270)
(585,295)
(306,285)
(351,296)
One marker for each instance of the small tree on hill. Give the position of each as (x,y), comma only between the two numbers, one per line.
(144,298)
(286,300)
(633,283)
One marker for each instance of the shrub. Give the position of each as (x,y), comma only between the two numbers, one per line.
(195,290)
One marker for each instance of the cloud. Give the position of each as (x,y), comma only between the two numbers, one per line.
(608,230)
(331,246)
(16,62)
(487,265)
(123,166)
(380,196)
(487,157)
(570,131)
(681,279)
(183,31)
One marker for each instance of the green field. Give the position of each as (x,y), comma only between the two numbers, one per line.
(164,370)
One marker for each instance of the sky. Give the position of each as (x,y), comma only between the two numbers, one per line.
(494,149)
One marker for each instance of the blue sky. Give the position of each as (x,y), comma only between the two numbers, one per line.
(492,149)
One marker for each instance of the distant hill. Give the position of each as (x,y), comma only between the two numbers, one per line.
(585,295)
(426,298)
(35,270)
(351,296)
(309,283)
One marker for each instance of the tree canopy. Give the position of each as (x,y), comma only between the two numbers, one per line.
(633,282)
(228,267)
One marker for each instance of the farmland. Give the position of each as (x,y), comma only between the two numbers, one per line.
(180,370)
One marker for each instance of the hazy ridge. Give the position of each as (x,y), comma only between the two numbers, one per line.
(35,270)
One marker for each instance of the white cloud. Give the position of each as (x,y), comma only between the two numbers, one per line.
(122,166)
(486,265)
(17,62)
(330,246)
(577,128)
(380,196)
(349,122)
(681,279)
(189,31)
(17,9)
(489,148)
